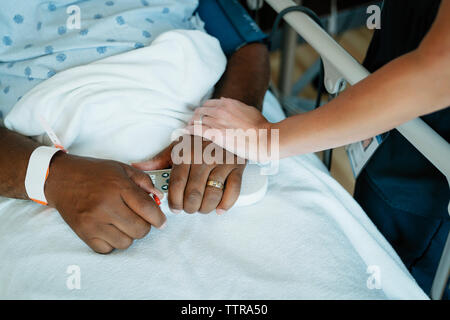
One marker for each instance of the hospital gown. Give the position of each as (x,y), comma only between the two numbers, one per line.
(36,41)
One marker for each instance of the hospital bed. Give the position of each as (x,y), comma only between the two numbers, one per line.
(306,239)
(340,66)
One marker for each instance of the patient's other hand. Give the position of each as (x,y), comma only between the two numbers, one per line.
(187,187)
(105,202)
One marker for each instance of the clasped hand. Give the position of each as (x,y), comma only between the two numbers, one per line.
(107,203)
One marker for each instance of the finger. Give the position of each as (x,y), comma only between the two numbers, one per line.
(161,161)
(212,122)
(231,191)
(194,130)
(177,184)
(210,111)
(114,236)
(213,103)
(99,245)
(219,137)
(213,113)
(227,141)
(213,134)
(213,195)
(195,187)
(139,202)
(143,181)
(129,222)
(216,123)
(196,119)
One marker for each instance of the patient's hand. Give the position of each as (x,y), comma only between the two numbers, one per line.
(105,202)
(187,187)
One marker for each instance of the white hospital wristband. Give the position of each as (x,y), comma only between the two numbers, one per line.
(37,173)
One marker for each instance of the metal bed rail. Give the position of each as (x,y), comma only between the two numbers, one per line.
(339,66)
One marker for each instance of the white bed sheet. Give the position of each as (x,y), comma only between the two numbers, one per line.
(307,239)
(291,245)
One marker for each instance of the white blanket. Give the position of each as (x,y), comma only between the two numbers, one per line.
(306,239)
(102,107)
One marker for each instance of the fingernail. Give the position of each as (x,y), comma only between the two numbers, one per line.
(176,211)
(158,193)
(220,211)
(158,202)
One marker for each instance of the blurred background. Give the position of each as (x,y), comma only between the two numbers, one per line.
(295,64)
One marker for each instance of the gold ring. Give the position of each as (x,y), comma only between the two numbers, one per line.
(215,184)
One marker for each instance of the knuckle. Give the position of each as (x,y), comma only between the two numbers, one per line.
(142,231)
(192,201)
(103,250)
(193,195)
(206,209)
(116,183)
(86,222)
(221,111)
(143,205)
(124,243)
(229,103)
(176,182)
(137,175)
(213,196)
(174,205)
(99,246)
(144,177)
(189,209)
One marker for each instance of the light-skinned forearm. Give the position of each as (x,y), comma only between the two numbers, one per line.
(410,86)
(401,91)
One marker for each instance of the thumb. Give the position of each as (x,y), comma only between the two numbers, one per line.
(161,161)
(143,181)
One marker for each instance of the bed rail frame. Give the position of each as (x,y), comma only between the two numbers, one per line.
(341,66)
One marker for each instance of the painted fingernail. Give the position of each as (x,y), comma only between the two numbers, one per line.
(159,193)
(220,211)
(155,197)
(176,211)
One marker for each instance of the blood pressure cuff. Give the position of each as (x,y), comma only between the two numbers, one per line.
(230,23)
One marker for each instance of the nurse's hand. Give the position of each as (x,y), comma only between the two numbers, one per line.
(225,113)
(188,189)
(105,202)
(219,120)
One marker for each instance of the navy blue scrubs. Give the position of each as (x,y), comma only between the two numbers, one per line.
(401,191)
(230,23)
